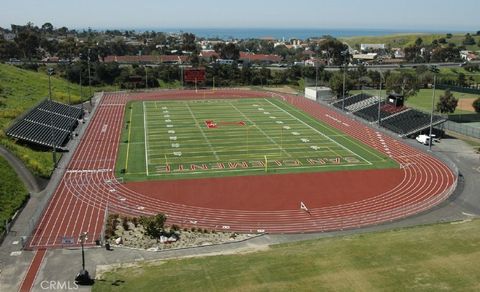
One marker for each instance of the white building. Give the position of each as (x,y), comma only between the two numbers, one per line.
(317,93)
(374,47)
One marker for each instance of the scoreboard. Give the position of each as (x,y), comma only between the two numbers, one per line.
(194,75)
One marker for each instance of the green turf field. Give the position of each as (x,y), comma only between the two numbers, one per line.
(202,138)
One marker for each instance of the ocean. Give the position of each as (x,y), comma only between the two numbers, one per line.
(285,33)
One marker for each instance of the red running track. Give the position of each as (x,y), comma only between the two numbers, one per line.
(336,200)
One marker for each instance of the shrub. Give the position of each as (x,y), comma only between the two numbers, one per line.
(476,105)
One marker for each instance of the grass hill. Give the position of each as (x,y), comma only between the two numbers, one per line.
(12,192)
(405,40)
(426,258)
(20,90)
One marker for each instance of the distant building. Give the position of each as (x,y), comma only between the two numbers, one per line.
(468,55)
(259,58)
(398,53)
(148,59)
(365,57)
(371,47)
(9,36)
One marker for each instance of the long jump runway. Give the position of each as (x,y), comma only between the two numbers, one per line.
(254,204)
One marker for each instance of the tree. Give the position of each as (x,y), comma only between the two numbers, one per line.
(28,42)
(469,40)
(476,105)
(418,42)
(336,84)
(154,225)
(47,27)
(462,81)
(334,49)
(447,103)
(404,83)
(448,54)
(229,51)
(449,36)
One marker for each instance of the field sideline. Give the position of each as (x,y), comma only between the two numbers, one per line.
(202,138)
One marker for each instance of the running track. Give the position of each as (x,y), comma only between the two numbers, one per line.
(89,185)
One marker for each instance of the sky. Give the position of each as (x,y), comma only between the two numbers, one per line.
(421,15)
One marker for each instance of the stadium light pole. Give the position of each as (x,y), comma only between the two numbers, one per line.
(83,278)
(344,54)
(380,99)
(435,71)
(146,78)
(50,71)
(89,78)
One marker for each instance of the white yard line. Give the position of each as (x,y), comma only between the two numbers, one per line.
(263,132)
(145,136)
(203,133)
(355,154)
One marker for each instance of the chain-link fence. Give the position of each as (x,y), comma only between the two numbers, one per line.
(464,129)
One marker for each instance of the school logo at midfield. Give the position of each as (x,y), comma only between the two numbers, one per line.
(212,124)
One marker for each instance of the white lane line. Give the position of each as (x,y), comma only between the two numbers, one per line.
(335,142)
(145,134)
(203,133)
(262,131)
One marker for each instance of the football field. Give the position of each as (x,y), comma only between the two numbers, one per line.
(219,137)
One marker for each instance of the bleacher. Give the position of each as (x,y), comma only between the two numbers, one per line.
(370,113)
(351,100)
(362,104)
(411,121)
(48,124)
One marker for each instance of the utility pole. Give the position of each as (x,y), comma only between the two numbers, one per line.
(435,71)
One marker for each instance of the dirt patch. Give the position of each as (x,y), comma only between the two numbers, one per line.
(466,104)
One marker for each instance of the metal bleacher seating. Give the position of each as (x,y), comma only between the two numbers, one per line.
(370,113)
(351,100)
(48,124)
(410,121)
(362,104)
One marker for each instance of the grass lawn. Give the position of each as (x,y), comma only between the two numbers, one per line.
(426,258)
(423,99)
(12,192)
(201,138)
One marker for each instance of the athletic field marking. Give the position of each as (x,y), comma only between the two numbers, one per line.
(341,146)
(128,143)
(251,169)
(145,134)
(201,130)
(342,136)
(260,129)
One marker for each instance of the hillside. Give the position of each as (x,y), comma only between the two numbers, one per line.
(19,91)
(404,40)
